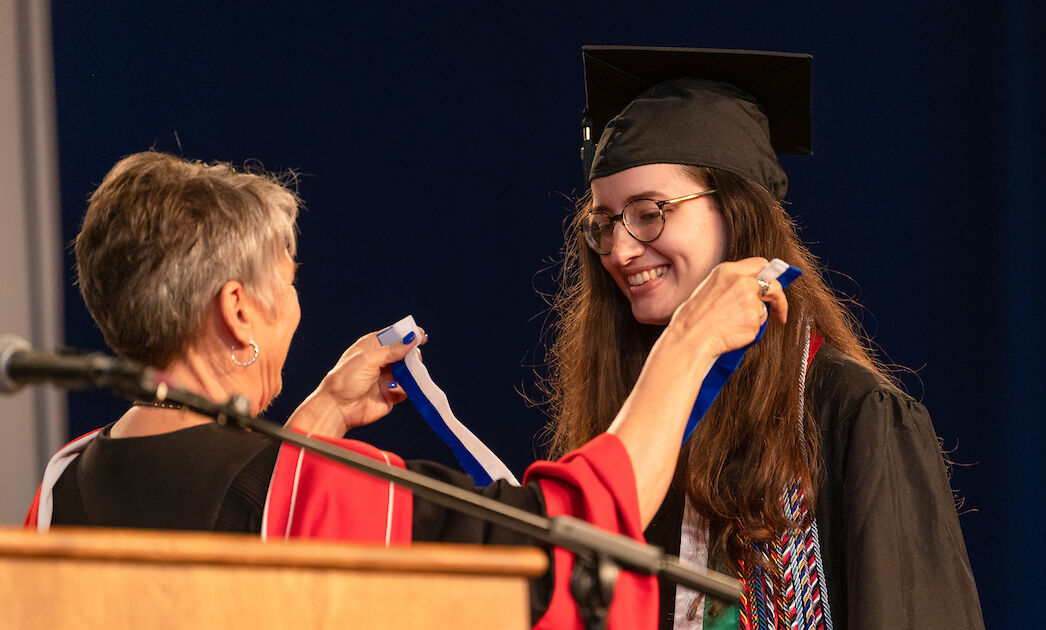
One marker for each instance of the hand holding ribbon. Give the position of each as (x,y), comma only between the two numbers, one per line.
(725,365)
(354,392)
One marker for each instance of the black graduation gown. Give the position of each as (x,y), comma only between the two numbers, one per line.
(214,478)
(893,551)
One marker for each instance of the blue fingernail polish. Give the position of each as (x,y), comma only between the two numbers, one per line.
(392,385)
(409,338)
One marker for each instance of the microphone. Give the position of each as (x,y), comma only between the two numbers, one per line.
(20,365)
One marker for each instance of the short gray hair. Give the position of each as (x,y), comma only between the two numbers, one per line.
(163,234)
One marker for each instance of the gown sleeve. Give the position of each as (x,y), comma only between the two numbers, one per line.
(906,562)
(594,483)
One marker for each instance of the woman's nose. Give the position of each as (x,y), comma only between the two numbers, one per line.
(624,246)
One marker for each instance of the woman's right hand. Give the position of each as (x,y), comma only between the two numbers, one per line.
(726,310)
(358,390)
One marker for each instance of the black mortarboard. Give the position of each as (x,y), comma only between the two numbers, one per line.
(728,109)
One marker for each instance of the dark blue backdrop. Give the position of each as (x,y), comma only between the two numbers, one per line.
(436,143)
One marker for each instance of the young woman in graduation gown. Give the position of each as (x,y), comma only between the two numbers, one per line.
(812,478)
(190,267)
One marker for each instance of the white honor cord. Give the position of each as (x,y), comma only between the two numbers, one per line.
(430,401)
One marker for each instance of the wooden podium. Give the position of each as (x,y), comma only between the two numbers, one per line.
(115,578)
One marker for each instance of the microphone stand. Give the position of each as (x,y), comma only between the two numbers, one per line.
(599,554)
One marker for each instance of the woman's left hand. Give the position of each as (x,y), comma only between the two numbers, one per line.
(358,390)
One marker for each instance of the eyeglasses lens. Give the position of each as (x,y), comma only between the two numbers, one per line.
(644,220)
(599,232)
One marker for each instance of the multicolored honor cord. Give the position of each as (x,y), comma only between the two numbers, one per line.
(788,590)
(725,365)
(478,461)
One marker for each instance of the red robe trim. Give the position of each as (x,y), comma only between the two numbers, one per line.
(596,483)
(816,341)
(309,496)
(313,497)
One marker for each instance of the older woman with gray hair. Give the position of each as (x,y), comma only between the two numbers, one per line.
(190,267)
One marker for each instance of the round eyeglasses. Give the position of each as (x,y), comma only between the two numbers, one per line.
(643,218)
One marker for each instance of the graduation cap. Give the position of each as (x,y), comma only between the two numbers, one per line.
(728,109)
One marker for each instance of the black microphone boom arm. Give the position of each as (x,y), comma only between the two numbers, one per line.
(594,547)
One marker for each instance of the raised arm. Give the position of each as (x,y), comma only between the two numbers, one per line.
(724,313)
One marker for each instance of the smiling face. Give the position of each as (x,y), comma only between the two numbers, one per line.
(657,277)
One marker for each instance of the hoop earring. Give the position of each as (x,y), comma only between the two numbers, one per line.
(252,360)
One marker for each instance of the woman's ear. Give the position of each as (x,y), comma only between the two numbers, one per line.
(236,311)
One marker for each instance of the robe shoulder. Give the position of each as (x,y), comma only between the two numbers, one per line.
(893,550)
(841,389)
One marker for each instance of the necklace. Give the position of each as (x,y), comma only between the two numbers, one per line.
(161,405)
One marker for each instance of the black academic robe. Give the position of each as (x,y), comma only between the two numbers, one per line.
(893,552)
(214,478)
(209,477)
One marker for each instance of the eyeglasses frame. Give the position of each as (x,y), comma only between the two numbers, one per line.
(660,209)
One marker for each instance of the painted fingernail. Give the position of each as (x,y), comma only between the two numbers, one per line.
(409,339)
(392,385)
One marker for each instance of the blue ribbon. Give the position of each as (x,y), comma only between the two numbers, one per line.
(435,421)
(431,402)
(725,366)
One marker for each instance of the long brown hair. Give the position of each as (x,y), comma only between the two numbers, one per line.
(746,451)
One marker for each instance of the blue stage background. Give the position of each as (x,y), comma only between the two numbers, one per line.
(437,145)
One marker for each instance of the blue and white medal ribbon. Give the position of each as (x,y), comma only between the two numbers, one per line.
(725,365)
(478,461)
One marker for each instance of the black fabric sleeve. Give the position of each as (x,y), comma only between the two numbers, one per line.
(906,562)
(241,511)
(436,523)
(68,504)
